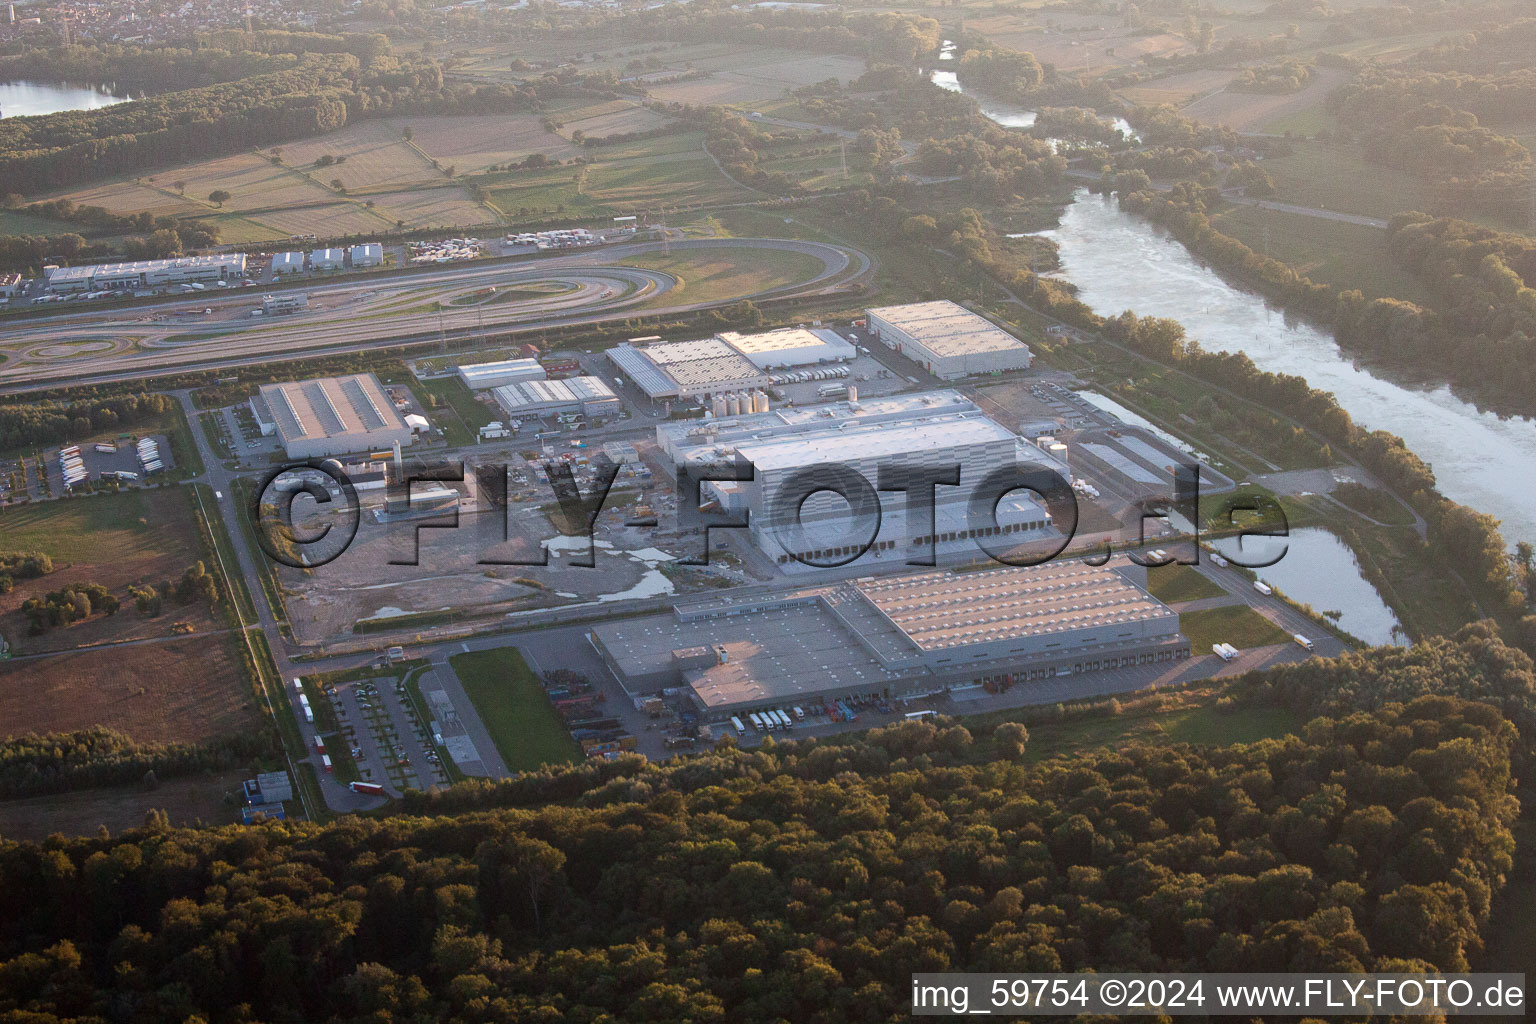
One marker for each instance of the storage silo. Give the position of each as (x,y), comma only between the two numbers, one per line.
(733,404)
(853,392)
(717,405)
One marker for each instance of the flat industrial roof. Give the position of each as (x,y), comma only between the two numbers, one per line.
(947,329)
(475,371)
(854,440)
(786,420)
(537,393)
(661,369)
(331,407)
(132,267)
(789,346)
(801,643)
(942,610)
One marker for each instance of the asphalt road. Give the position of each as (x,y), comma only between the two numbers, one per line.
(105,344)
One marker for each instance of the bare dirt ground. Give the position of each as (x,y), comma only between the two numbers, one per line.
(190,801)
(1248,112)
(183,690)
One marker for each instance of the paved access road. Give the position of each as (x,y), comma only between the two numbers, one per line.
(94,345)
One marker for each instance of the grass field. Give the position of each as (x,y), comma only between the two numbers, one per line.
(1201,724)
(1329,252)
(200,799)
(456,411)
(717,275)
(1335,176)
(514,709)
(1247,111)
(1173,584)
(1238,625)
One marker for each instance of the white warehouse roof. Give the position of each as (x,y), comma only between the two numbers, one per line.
(479,376)
(947,329)
(789,346)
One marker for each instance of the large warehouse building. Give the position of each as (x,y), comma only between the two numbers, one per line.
(586,396)
(790,346)
(948,340)
(930,429)
(332,416)
(898,636)
(687,369)
(483,376)
(147,273)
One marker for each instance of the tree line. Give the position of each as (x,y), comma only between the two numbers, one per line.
(314,92)
(800,881)
(33,765)
(44,421)
(1482,335)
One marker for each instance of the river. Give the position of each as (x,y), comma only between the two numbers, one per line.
(1121,262)
(23,99)
(1118,262)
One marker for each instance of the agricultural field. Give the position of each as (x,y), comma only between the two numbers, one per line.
(636,177)
(450,205)
(514,709)
(1251,112)
(472,144)
(1094,43)
(739,77)
(374,155)
(624,120)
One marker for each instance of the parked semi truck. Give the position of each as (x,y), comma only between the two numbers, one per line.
(1263,588)
(1226,652)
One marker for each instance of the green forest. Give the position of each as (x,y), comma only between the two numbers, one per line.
(807,881)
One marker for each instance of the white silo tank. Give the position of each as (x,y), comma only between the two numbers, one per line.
(853,392)
(1059,452)
(759,402)
(717,405)
(733,404)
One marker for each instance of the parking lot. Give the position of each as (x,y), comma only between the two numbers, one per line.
(386,736)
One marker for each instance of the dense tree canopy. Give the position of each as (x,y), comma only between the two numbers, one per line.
(802,882)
